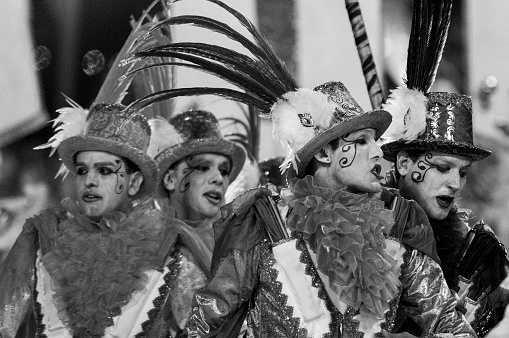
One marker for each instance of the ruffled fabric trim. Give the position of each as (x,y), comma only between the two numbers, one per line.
(346,231)
(96,267)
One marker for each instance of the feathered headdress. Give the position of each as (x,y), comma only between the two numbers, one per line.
(298,115)
(424,120)
(72,121)
(407,103)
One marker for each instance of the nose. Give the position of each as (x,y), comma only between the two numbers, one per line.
(376,151)
(91,180)
(216,177)
(454,181)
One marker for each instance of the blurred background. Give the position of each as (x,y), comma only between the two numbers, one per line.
(52,47)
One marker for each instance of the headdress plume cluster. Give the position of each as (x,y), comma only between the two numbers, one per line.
(407,103)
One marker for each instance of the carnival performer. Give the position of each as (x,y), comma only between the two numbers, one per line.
(344,263)
(431,144)
(97,265)
(196,165)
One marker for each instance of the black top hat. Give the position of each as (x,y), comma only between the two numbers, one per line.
(448,129)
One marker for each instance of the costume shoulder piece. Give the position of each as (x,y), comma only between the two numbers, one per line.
(411,225)
(248,220)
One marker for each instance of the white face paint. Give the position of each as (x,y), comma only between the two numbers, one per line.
(102,183)
(434,180)
(197,185)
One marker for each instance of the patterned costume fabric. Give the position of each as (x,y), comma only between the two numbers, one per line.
(294,287)
(474,263)
(68,276)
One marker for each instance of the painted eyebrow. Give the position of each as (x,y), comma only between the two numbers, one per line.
(98,164)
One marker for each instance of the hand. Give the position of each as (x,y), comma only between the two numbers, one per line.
(398,335)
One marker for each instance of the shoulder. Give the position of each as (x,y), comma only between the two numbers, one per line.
(411,225)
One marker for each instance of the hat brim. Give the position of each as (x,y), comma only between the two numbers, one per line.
(392,149)
(69,147)
(379,120)
(174,154)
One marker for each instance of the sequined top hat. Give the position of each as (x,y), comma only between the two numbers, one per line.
(306,126)
(113,129)
(189,133)
(448,129)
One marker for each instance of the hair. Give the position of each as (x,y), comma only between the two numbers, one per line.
(413,154)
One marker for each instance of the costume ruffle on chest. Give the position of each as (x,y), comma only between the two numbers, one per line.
(307,300)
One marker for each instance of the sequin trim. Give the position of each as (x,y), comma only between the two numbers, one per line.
(39,325)
(174,267)
(336,316)
(390,315)
(290,322)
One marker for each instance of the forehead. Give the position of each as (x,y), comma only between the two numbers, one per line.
(365,131)
(92,157)
(450,159)
(212,158)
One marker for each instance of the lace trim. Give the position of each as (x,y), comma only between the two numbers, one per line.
(40,327)
(335,324)
(174,267)
(288,322)
(390,315)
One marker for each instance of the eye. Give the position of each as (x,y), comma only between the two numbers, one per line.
(202,167)
(361,140)
(105,171)
(80,171)
(224,172)
(463,173)
(442,169)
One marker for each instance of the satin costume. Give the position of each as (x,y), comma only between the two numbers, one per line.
(68,276)
(348,269)
(474,263)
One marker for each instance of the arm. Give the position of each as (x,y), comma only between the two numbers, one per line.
(428,301)
(16,282)
(225,299)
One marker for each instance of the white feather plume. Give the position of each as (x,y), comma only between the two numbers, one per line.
(408,110)
(163,135)
(287,127)
(71,121)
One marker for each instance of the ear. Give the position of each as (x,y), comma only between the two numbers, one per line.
(403,163)
(324,155)
(170,180)
(135,181)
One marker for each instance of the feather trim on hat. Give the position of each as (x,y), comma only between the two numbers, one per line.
(163,136)
(295,116)
(408,110)
(71,121)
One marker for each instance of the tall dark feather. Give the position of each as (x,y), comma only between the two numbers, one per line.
(430,24)
(257,70)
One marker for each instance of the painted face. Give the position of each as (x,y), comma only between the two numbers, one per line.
(102,183)
(197,185)
(355,162)
(434,180)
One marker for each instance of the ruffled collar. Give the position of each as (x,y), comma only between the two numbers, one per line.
(96,266)
(345,231)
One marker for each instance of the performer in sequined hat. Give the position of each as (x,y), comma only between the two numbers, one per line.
(98,264)
(432,146)
(334,266)
(196,165)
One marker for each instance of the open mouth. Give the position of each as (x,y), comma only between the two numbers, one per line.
(445,201)
(214,197)
(377,169)
(90,197)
